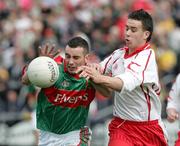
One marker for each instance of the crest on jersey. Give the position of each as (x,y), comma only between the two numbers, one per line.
(65,83)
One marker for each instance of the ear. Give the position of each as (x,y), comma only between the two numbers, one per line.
(87,58)
(91,58)
(146,34)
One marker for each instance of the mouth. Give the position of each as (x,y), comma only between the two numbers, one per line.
(71,68)
(127,41)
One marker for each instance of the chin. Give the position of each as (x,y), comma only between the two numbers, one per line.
(128,45)
(72,72)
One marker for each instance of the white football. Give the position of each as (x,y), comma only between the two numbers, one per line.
(43,72)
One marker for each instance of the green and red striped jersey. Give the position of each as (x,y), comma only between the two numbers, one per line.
(64,106)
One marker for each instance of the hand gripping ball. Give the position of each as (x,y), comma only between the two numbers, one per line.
(43,72)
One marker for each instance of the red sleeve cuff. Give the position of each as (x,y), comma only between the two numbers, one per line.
(24,69)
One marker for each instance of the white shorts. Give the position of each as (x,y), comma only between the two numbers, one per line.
(50,139)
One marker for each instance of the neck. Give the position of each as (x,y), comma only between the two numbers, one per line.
(137,48)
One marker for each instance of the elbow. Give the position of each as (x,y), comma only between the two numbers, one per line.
(108,93)
(117,85)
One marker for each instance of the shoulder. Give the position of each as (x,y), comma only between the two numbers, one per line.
(147,52)
(59,59)
(118,53)
(120,50)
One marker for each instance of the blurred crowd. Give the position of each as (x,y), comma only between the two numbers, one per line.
(27,24)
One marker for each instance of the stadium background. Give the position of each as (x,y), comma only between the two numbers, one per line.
(26,24)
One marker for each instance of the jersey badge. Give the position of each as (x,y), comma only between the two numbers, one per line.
(65,84)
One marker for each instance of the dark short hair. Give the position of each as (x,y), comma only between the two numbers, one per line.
(145,18)
(79,42)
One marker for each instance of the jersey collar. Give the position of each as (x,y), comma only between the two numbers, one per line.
(137,50)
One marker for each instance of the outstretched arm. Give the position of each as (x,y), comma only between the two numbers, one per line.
(113,83)
(103,84)
(106,92)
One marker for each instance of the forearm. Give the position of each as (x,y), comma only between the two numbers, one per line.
(105,91)
(111,82)
(103,82)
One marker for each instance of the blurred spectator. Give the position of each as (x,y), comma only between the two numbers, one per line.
(173,108)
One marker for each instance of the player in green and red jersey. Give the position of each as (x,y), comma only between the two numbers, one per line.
(62,109)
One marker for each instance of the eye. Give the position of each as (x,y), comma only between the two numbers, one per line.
(76,57)
(127,28)
(133,29)
(67,56)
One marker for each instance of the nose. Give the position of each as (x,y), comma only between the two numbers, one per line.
(128,32)
(71,61)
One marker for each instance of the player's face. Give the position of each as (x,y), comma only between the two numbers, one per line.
(74,58)
(135,35)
